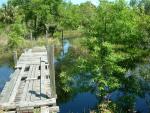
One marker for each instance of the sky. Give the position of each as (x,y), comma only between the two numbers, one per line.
(2,2)
(95,2)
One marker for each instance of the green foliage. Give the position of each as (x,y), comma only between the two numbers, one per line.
(146,5)
(76,16)
(41,15)
(116,107)
(7,14)
(87,13)
(16,35)
(37,14)
(70,16)
(126,103)
(107,107)
(36,110)
(64,80)
(15,41)
(117,38)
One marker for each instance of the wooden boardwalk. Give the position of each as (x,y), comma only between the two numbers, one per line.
(29,87)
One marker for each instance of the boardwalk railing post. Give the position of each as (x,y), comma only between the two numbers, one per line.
(31,39)
(31,36)
(15,57)
(40,77)
(50,54)
(46,34)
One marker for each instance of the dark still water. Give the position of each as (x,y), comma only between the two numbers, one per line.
(82,97)
(5,71)
(78,103)
(72,102)
(81,103)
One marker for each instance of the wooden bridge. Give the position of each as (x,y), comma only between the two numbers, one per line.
(32,85)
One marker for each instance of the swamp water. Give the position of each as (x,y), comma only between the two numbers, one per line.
(81,99)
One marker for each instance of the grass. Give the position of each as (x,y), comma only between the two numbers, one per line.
(4,31)
(40,42)
(29,44)
(74,36)
(3,39)
(6,54)
(69,34)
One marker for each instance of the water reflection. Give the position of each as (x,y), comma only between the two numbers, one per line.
(81,103)
(82,90)
(142,74)
(6,68)
(141,105)
(81,97)
(5,72)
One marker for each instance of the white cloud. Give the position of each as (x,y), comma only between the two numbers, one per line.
(95,2)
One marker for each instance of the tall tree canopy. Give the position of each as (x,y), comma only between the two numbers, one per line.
(117,38)
(38,13)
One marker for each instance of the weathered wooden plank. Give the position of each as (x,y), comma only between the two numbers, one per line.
(34,93)
(4,89)
(38,103)
(33,54)
(10,87)
(33,57)
(24,104)
(14,91)
(50,57)
(43,90)
(19,93)
(27,84)
(10,112)
(32,60)
(30,87)
(53,109)
(24,109)
(36,85)
(37,90)
(47,109)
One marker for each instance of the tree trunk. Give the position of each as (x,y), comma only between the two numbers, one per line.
(35,27)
